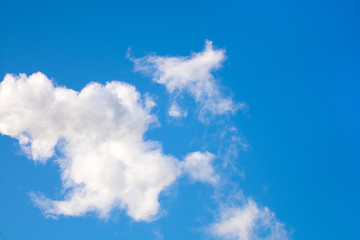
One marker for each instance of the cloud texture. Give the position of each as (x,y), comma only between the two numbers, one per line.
(248,222)
(198,166)
(97,138)
(104,160)
(190,75)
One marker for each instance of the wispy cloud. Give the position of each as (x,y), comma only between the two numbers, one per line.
(198,166)
(176,112)
(105,162)
(247,221)
(192,75)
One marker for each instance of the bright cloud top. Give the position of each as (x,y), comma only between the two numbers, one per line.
(248,222)
(198,165)
(191,75)
(105,162)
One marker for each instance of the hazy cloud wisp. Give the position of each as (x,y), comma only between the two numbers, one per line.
(248,222)
(192,75)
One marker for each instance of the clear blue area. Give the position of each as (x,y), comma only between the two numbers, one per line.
(295,63)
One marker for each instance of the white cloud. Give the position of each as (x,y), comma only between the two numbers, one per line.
(191,75)
(105,162)
(248,222)
(176,112)
(198,166)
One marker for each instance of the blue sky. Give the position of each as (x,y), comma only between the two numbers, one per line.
(295,151)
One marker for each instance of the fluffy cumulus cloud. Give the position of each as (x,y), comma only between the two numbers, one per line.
(96,136)
(248,222)
(104,160)
(192,75)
